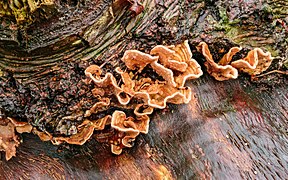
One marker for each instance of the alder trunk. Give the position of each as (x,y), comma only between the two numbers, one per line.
(235,129)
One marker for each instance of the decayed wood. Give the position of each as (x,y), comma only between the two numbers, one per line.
(233,129)
(236,132)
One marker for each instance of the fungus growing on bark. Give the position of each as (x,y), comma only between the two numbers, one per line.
(130,127)
(124,141)
(141,110)
(219,72)
(255,62)
(165,94)
(139,93)
(177,58)
(9,141)
(106,84)
(122,123)
(136,59)
(44,136)
(125,99)
(226,59)
(102,105)
(100,124)
(21,127)
(85,131)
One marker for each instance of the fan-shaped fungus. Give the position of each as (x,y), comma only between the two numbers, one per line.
(9,141)
(255,62)
(219,72)
(142,93)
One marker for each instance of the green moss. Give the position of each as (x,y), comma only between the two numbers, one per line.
(286,63)
(223,15)
(274,52)
(278,9)
(230,27)
(23,11)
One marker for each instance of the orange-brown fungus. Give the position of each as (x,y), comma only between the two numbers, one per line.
(254,63)
(133,91)
(219,72)
(9,140)
(135,59)
(176,59)
(139,93)
(124,99)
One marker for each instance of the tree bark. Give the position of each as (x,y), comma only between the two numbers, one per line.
(234,129)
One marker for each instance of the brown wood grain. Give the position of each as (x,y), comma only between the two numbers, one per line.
(229,130)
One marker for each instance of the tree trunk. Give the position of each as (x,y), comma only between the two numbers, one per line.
(233,129)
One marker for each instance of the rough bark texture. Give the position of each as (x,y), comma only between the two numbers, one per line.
(234,129)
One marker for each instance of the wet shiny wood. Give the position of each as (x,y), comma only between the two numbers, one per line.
(230,130)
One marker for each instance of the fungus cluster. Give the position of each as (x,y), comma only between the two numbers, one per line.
(254,63)
(138,93)
(126,97)
(9,140)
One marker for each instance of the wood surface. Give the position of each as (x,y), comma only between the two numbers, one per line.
(230,131)
(235,129)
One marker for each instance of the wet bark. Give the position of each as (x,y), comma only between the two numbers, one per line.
(234,129)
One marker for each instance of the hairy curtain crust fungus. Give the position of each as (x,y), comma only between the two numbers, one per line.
(136,59)
(138,93)
(254,63)
(123,100)
(178,59)
(9,140)
(218,71)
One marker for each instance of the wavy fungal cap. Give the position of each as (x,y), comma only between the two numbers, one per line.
(125,99)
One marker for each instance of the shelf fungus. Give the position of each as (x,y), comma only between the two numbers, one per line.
(85,131)
(149,81)
(123,99)
(220,71)
(176,59)
(254,63)
(9,139)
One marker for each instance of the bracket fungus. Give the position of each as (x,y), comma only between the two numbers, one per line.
(126,98)
(9,140)
(136,59)
(123,100)
(178,59)
(138,93)
(222,71)
(254,63)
